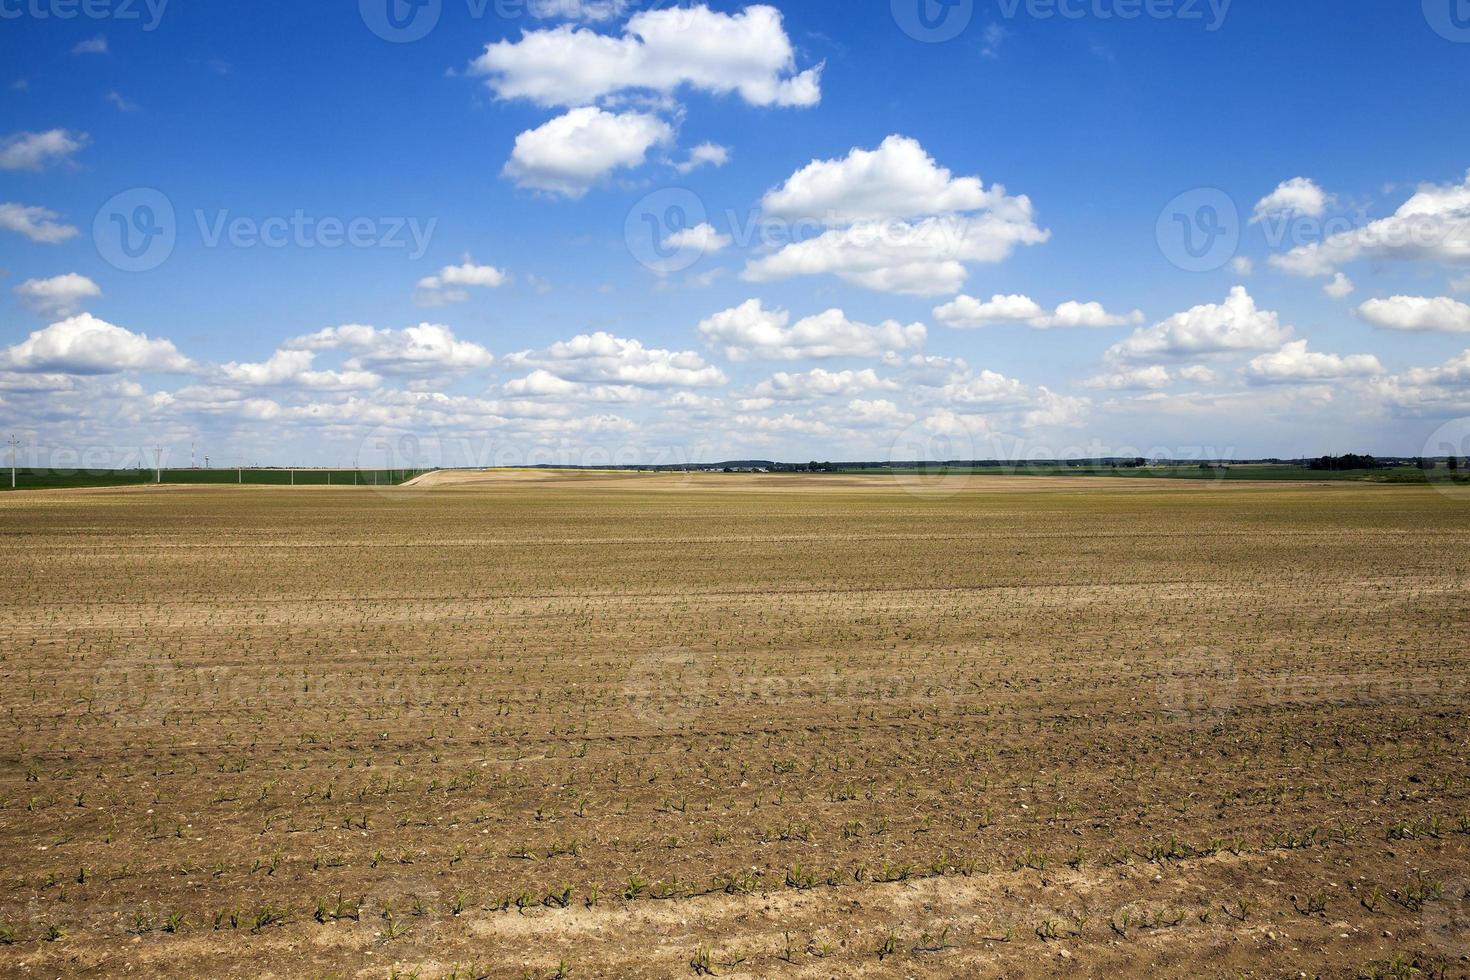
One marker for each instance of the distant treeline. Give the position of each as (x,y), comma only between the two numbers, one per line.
(37,478)
(1352,461)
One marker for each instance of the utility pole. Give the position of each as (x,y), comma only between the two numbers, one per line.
(157,464)
(13,444)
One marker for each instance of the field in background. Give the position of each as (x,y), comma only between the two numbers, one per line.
(616,725)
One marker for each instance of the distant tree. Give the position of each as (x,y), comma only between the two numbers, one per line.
(1350,461)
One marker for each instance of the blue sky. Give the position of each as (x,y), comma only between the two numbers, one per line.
(659,231)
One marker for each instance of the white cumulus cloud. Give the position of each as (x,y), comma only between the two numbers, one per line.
(820,383)
(1294,363)
(603,357)
(572,152)
(425,350)
(451,283)
(36,223)
(704,155)
(1232,326)
(894,221)
(1417,313)
(83,344)
(1433,224)
(33,151)
(967,312)
(1298,197)
(751,332)
(660,51)
(57,296)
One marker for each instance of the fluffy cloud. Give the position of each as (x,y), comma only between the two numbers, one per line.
(541,383)
(1054,410)
(990,389)
(1298,197)
(1435,391)
(293,368)
(450,284)
(33,151)
(85,345)
(895,222)
(36,223)
(57,296)
(751,332)
(425,350)
(660,51)
(1433,224)
(897,180)
(1419,313)
(602,357)
(705,154)
(821,383)
(1341,287)
(923,258)
(967,312)
(875,413)
(572,152)
(701,238)
(589,10)
(1294,363)
(1149,378)
(92,45)
(1232,326)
